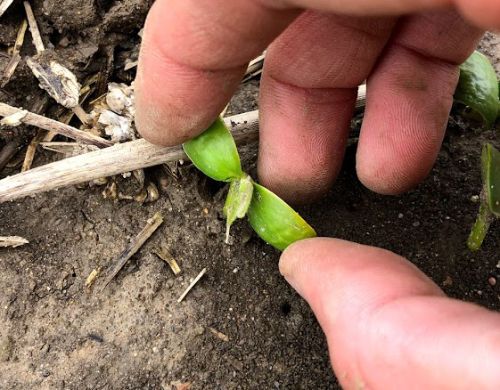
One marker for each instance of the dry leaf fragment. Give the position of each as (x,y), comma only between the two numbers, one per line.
(12,241)
(59,82)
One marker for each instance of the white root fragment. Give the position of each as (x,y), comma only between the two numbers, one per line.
(35,32)
(12,241)
(191,285)
(15,119)
(59,82)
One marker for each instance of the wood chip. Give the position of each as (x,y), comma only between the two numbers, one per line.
(35,32)
(192,284)
(169,259)
(12,242)
(218,334)
(134,246)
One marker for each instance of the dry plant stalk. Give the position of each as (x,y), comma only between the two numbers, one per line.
(8,152)
(55,126)
(120,158)
(35,32)
(15,56)
(134,246)
(191,285)
(12,242)
(4,5)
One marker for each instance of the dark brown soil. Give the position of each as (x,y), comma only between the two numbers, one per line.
(55,334)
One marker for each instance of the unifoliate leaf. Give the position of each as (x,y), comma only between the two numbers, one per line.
(491,178)
(214,153)
(275,221)
(478,87)
(237,201)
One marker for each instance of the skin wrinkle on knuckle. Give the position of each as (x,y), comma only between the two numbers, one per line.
(212,35)
(443,35)
(308,69)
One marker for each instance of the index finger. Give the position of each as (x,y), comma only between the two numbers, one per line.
(195,52)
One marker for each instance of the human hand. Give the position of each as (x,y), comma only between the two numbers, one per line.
(388,326)
(195,52)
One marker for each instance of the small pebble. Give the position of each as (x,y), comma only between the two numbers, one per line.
(416,224)
(492,281)
(400,215)
(474,198)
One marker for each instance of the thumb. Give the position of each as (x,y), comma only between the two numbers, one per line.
(388,325)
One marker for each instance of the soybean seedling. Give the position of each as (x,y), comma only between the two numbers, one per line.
(489,208)
(478,88)
(214,153)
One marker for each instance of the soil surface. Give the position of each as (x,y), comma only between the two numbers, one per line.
(57,334)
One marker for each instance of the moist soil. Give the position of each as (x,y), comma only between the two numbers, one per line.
(57,334)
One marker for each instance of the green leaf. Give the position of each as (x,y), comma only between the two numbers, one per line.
(478,87)
(491,178)
(275,221)
(237,201)
(214,153)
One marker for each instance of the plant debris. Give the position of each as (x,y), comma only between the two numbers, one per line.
(4,5)
(134,246)
(12,242)
(218,334)
(92,277)
(59,82)
(14,119)
(169,259)
(192,284)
